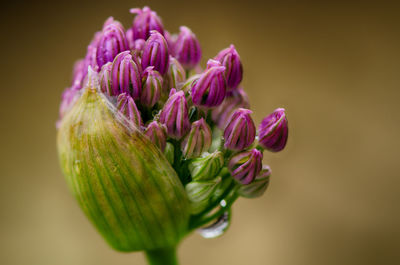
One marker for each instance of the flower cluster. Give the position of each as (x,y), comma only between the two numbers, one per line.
(198,118)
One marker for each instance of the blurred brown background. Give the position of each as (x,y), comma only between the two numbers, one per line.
(334,65)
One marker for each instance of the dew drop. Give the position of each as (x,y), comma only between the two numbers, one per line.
(217,228)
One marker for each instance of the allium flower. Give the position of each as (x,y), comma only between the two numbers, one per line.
(230,58)
(187,48)
(273,132)
(209,90)
(174,115)
(126,105)
(198,139)
(155,52)
(157,133)
(240,131)
(145,21)
(152,85)
(246,165)
(153,152)
(111,42)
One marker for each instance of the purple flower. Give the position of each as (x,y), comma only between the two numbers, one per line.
(174,115)
(209,90)
(240,131)
(155,53)
(230,58)
(151,87)
(157,133)
(126,105)
(273,131)
(187,48)
(176,75)
(145,21)
(90,58)
(234,99)
(246,165)
(258,186)
(198,139)
(111,42)
(105,79)
(126,75)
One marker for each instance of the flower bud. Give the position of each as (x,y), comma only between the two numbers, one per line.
(145,21)
(157,133)
(105,79)
(198,139)
(273,131)
(171,39)
(209,90)
(234,99)
(200,193)
(90,58)
(174,115)
(206,167)
(246,165)
(240,131)
(126,105)
(258,186)
(126,75)
(152,85)
(155,53)
(111,42)
(230,58)
(187,48)
(176,74)
(123,182)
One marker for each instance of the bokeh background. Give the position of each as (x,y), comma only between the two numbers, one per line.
(334,65)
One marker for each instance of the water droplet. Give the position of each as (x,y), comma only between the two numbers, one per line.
(217,228)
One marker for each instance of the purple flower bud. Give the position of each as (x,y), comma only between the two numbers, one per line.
(174,115)
(112,42)
(115,23)
(176,75)
(246,165)
(152,85)
(105,79)
(126,75)
(157,133)
(187,48)
(171,40)
(145,21)
(126,105)
(234,99)
(240,131)
(273,131)
(198,139)
(209,90)
(230,58)
(155,53)
(258,186)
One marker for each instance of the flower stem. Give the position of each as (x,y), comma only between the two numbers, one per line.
(163,256)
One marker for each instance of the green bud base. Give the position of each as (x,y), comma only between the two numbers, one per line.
(164,256)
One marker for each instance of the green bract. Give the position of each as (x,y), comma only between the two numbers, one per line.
(122,181)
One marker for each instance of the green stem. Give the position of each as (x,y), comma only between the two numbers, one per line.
(163,256)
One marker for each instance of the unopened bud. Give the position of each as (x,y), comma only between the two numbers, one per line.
(200,193)
(198,139)
(126,105)
(187,48)
(258,186)
(240,131)
(207,166)
(157,133)
(155,53)
(245,166)
(230,58)
(152,85)
(145,21)
(273,131)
